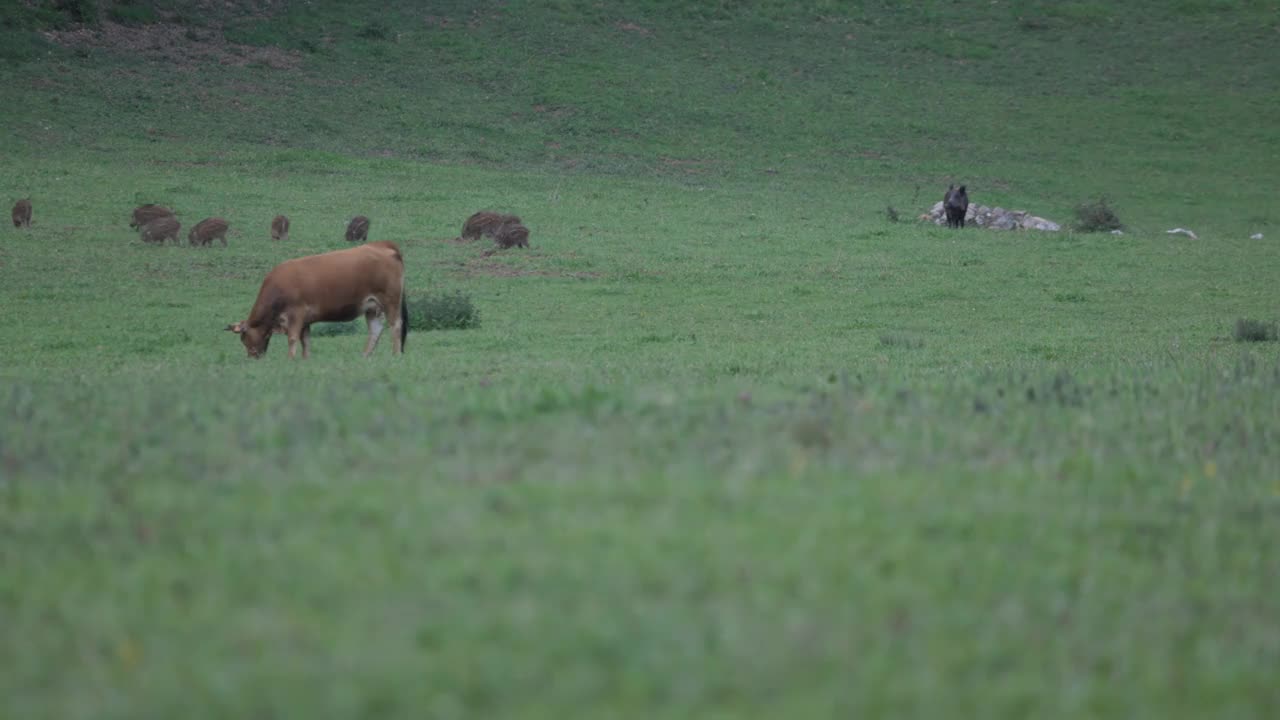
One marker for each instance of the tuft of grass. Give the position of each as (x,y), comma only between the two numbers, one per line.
(1097,216)
(374,30)
(1250,330)
(132,12)
(901,340)
(444,311)
(1032,23)
(892,213)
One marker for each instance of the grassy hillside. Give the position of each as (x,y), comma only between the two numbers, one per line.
(728,441)
(1031,103)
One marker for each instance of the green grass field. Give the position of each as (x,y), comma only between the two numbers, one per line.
(728,442)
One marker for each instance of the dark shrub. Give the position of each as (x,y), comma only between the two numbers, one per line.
(1248,330)
(334,329)
(444,311)
(1097,216)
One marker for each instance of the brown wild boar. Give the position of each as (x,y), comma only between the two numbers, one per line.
(160,229)
(22,214)
(280,228)
(144,214)
(485,223)
(512,235)
(208,230)
(358,229)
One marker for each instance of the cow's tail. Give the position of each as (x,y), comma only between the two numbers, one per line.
(404,321)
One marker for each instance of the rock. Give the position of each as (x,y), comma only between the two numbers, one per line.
(1003,221)
(1031,222)
(1117,232)
(1182,231)
(994,218)
(1256,236)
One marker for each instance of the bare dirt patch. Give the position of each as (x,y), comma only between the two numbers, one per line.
(177,44)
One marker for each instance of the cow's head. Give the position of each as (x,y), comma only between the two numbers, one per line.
(255,339)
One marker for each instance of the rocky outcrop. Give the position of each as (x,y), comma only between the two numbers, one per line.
(994,218)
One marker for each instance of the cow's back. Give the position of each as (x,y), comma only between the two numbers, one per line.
(336,284)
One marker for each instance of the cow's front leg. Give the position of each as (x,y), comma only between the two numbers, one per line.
(306,342)
(375,331)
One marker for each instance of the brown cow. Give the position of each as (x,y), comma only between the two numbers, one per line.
(208,230)
(22,214)
(144,214)
(333,287)
(161,229)
(485,223)
(358,229)
(280,228)
(512,235)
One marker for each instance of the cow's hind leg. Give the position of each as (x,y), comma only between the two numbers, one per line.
(375,330)
(306,342)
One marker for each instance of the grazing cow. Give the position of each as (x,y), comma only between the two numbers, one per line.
(280,228)
(144,214)
(358,229)
(486,223)
(513,235)
(22,214)
(333,287)
(208,230)
(160,229)
(956,205)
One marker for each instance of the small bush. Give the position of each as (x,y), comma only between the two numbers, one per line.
(892,213)
(1097,216)
(445,311)
(337,328)
(1248,330)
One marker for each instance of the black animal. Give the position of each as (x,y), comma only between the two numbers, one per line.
(22,214)
(144,214)
(358,229)
(955,203)
(512,234)
(486,223)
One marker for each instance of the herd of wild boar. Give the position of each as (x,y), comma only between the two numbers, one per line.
(156,224)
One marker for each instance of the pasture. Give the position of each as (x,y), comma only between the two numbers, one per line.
(727,442)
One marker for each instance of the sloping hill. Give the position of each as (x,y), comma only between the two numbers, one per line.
(1032,102)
